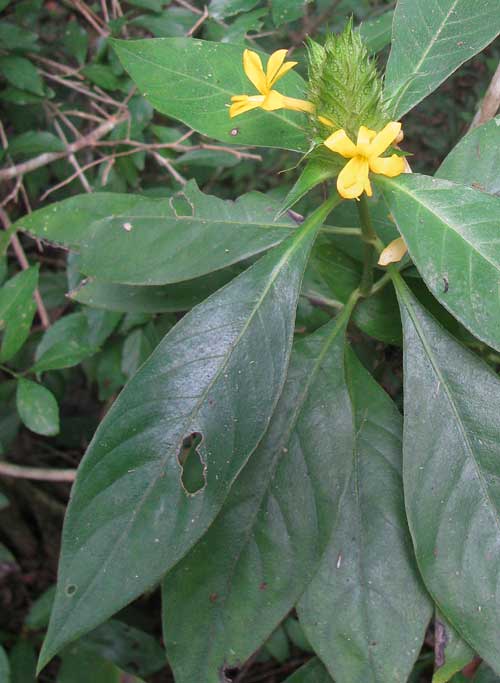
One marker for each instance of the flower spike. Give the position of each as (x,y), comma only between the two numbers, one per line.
(268,99)
(365,156)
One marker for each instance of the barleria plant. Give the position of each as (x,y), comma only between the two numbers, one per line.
(255,466)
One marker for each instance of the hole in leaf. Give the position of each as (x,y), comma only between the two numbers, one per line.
(70,589)
(193,477)
(181,206)
(229,673)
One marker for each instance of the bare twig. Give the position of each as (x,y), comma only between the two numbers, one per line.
(94,20)
(491,102)
(73,160)
(38,473)
(166,164)
(188,6)
(23,262)
(48,157)
(198,23)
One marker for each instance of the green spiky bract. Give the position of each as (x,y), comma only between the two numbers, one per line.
(344,85)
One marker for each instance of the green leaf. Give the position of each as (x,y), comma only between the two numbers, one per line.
(21,73)
(451,469)
(429,41)
(224,359)
(102,75)
(17,310)
(312,672)
(278,646)
(248,571)
(376,33)
(317,170)
(37,408)
(180,296)
(76,41)
(127,647)
(4,667)
(78,665)
(13,37)
(65,344)
(284,11)
(22,662)
(227,8)
(38,616)
(206,75)
(141,241)
(475,160)
(365,612)
(35,142)
(485,675)
(451,652)
(452,236)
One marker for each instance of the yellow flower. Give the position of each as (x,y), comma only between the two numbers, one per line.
(393,252)
(365,156)
(268,99)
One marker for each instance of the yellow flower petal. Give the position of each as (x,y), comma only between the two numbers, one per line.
(389,166)
(274,100)
(393,252)
(252,66)
(365,136)
(384,139)
(353,178)
(297,105)
(243,103)
(276,69)
(339,142)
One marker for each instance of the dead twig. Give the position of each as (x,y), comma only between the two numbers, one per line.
(198,23)
(48,157)
(23,262)
(38,473)
(491,102)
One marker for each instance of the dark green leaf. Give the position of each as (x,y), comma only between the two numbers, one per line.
(429,41)
(278,646)
(13,37)
(172,22)
(102,75)
(485,675)
(35,142)
(312,672)
(377,33)
(365,613)
(317,170)
(76,41)
(225,359)
(38,616)
(17,309)
(80,666)
(37,408)
(136,240)
(451,652)
(452,236)
(227,8)
(22,662)
(181,296)
(284,11)
(206,75)
(476,159)
(451,472)
(64,344)
(4,667)
(21,73)
(250,568)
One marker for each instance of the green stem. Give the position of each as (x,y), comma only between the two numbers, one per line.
(370,239)
(340,230)
(10,372)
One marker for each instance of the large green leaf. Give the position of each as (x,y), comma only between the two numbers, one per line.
(452,233)
(476,159)
(193,81)
(366,612)
(451,473)
(142,241)
(180,296)
(247,572)
(17,309)
(430,39)
(130,518)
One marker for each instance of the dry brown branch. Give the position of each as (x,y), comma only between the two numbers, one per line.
(188,6)
(491,102)
(23,262)
(48,157)
(166,164)
(73,160)
(198,23)
(38,473)
(93,19)
(81,89)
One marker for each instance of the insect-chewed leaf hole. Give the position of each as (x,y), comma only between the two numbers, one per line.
(193,477)
(181,206)
(229,674)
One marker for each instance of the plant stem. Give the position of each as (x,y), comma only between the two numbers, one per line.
(369,237)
